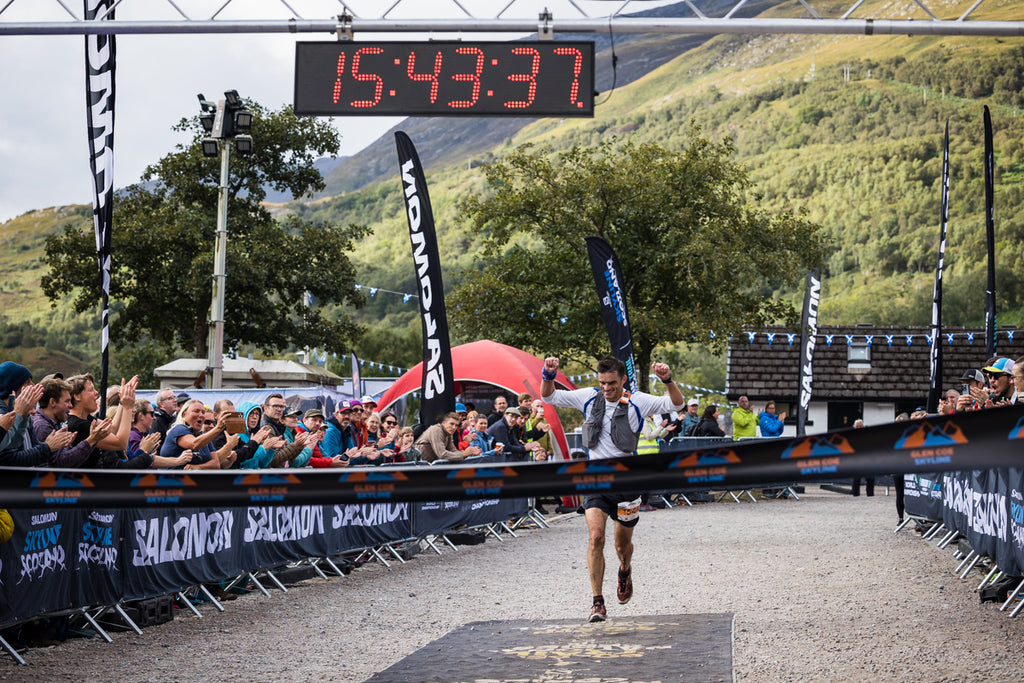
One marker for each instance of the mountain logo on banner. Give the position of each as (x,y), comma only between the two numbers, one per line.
(61,480)
(148,481)
(265,479)
(722,456)
(817,446)
(928,434)
(360,477)
(593,467)
(475,472)
(1018,430)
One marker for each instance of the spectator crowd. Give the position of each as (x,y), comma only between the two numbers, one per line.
(57,423)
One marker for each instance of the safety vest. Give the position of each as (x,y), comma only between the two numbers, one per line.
(646,446)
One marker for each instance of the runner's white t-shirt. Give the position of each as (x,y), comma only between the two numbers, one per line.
(645,403)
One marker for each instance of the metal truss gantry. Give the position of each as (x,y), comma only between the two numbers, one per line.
(346,18)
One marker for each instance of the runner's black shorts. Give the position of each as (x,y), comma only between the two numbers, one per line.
(609,504)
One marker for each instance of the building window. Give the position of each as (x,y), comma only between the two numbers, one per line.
(858,357)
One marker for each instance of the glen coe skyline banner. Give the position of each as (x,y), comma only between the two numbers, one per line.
(965,441)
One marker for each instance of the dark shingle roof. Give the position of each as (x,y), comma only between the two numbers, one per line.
(763,370)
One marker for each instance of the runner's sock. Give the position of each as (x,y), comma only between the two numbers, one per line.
(598,599)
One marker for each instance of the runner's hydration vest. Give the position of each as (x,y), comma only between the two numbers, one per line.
(623,436)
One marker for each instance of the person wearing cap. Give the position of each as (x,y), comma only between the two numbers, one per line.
(690,419)
(19,446)
(744,422)
(1000,380)
(972,382)
(437,442)
(313,423)
(369,404)
(339,440)
(611,429)
(504,432)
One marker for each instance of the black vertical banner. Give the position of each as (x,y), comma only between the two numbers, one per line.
(990,239)
(935,389)
(99,93)
(808,334)
(438,382)
(611,292)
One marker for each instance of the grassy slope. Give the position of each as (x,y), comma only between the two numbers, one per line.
(716,84)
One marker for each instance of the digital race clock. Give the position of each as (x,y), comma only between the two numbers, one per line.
(445,78)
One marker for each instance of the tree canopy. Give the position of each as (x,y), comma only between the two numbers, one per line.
(697,252)
(163,248)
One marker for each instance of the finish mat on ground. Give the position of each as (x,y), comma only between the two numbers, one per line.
(677,648)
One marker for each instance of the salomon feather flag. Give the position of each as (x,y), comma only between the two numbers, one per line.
(935,389)
(438,381)
(611,293)
(809,332)
(99,91)
(990,239)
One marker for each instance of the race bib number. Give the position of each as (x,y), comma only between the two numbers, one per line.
(629,510)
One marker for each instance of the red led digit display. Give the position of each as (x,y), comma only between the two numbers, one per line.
(444,78)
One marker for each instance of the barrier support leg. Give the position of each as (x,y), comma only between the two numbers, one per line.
(934,531)
(334,567)
(1009,600)
(490,529)
(260,586)
(127,619)
(390,548)
(12,652)
(188,603)
(448,541)
(380,558)
(977,558)
(96,625)
(209,596)
(949,538)
(988,577)
(311,561)
(270,575)
(430,544)
(749,495)
(685,499)
(970,556)
(905,522)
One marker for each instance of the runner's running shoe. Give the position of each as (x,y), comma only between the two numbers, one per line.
(625,589)
(598,613)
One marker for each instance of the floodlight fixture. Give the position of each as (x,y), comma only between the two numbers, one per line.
(243,145)
(232,98)
(211,147)
(243,121)
(207,119)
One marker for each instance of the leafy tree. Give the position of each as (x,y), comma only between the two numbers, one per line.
(697,256)
(163,245)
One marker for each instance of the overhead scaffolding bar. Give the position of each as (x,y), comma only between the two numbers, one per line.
(616,25)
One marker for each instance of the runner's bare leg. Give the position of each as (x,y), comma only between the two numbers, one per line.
(597,521)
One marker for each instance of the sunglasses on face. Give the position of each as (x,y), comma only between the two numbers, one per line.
(390,423)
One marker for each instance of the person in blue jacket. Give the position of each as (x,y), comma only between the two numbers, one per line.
(770,423)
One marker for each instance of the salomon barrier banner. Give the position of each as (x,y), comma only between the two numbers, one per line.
(808,333)
(611,287)
(990,239)
(923,495)
(434,518)
(97,557)
(935,387)
(985,507)
(100,58)
(438,385)
(982,439)
(37,564)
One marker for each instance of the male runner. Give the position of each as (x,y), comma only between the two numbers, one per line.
(611,430)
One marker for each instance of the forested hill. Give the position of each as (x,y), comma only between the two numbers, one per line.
(846,129)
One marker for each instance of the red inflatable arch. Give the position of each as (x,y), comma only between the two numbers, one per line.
(489,362)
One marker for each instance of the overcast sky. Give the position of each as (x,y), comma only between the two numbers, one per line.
(43,146)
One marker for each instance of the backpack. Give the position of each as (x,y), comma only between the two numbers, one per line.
(692,429)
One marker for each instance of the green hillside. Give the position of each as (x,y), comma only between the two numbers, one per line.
(846,129)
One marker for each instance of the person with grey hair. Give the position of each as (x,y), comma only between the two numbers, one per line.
(164,411)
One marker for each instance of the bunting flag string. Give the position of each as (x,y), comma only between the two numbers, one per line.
(868,339)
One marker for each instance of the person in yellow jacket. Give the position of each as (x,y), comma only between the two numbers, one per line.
(6,526)
(744,421)
(651,435)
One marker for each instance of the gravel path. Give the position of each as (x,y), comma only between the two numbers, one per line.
(821,590)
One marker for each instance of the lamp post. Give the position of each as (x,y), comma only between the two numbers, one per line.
(225,122)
